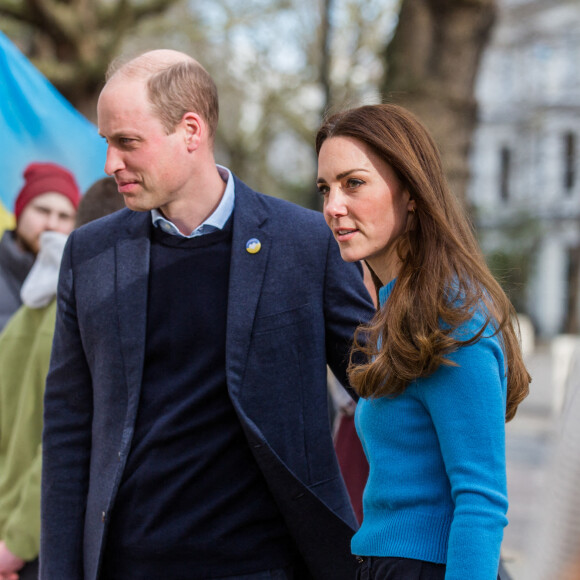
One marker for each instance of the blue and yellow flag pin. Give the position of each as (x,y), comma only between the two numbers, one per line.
(253,246)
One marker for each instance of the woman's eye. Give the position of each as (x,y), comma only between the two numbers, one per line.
(322,189)
(352,183)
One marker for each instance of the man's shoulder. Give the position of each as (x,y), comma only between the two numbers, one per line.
(277,208)
(284,208)
(115,225)
(100,235)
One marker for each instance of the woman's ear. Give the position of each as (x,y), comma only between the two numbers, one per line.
(412,206)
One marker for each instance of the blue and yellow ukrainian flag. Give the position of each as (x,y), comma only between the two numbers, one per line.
(38,124)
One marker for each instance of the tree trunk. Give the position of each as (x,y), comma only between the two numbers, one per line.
(432,62)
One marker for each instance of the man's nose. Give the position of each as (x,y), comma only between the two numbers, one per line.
(114,162)
(52,221)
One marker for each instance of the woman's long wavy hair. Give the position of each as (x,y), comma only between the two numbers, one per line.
(443,276)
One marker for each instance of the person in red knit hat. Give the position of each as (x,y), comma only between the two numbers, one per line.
(47,202)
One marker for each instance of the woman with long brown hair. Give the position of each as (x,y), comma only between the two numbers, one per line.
(439,369)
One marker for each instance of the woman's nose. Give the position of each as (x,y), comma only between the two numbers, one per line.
(334,204)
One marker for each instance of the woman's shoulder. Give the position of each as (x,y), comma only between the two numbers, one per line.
(474,301)
(479,321)
(480,343)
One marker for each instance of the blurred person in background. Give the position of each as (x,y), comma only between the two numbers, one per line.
(25,346)
(443,368)
(47,202)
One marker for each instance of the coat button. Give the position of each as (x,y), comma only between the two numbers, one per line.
(103,515)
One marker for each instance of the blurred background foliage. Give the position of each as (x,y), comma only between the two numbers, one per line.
(280,65)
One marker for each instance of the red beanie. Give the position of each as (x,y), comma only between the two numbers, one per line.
(42,178)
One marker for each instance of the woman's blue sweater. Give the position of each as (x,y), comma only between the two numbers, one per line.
(437,484)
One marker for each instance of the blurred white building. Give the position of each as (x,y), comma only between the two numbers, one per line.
(525,185)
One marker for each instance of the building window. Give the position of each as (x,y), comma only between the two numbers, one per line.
(504,175)
(569,161)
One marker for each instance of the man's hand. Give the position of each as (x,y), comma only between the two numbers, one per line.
(9,563)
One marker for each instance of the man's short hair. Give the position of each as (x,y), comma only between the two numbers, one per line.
(174,87)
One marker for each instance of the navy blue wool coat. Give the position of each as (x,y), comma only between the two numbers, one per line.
(292,308)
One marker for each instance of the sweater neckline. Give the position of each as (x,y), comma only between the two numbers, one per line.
(385,291)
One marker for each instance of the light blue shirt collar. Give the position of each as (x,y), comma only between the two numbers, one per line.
(216,221)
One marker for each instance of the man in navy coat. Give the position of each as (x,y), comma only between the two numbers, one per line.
(186,425)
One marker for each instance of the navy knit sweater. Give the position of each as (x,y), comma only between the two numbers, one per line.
(192,502)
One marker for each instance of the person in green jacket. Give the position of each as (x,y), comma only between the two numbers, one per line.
(25,346)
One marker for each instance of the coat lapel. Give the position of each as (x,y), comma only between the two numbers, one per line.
(247,271)
(132,278)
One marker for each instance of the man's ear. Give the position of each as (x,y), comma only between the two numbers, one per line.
(194,130)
